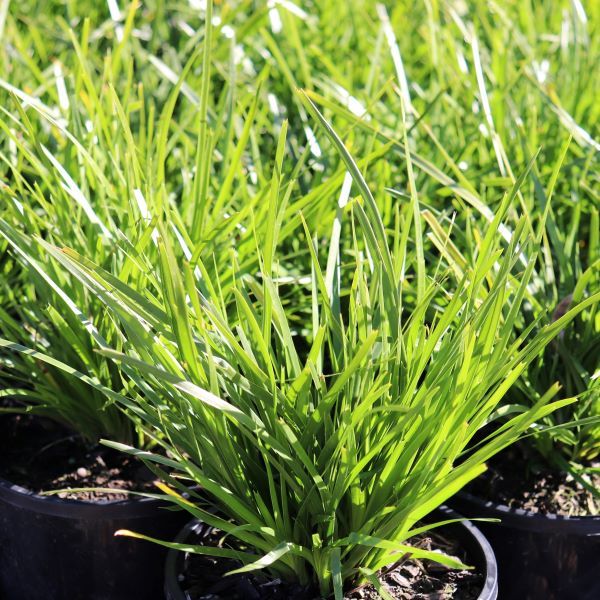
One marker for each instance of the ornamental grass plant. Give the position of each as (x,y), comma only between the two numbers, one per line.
(323,457)
(570,442)
(310,303)
(566,272)
(91,160)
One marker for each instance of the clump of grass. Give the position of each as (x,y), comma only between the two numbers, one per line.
(92,162)
(337,357)
(572,441)
(322,462)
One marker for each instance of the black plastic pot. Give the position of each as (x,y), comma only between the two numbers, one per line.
(55,549)
(545,557)
(479,554)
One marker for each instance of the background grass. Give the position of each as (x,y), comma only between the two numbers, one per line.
(184,164)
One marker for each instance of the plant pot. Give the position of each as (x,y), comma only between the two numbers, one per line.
(59,549)
(479,554)
(540,556)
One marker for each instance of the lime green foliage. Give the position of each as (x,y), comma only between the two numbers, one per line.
(573,359)
(567,271)
(323,457)
(312,325)
(94,161)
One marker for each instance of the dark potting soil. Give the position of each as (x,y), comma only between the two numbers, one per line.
(519,481)
(40,455)
(203,577)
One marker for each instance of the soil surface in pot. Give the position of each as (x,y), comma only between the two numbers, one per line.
(40,455)
(520,481)
(203,577)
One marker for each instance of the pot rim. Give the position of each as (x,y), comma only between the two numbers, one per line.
(489,590)
(490,587)
(21,497)
(530,521)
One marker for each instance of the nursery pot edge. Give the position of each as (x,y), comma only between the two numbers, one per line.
(59,548)
(556,556)
(52,505)
(478,548)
